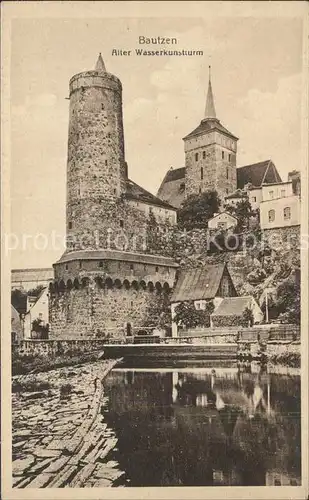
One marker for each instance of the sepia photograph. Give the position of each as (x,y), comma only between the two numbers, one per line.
(154,249)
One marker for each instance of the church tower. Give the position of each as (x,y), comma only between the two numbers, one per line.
(210,154)
(96,169)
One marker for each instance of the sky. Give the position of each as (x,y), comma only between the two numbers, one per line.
(256,79)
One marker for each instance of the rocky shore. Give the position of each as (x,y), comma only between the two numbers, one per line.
(59,436)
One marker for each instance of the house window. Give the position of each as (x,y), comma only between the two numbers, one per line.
(105,162)
(222,155)
(227,190)
(121,223)
(131,267)
(80,264)
(202,173)
(283,193)
(254,198)
(222,225)
(271,216)
(197,305)
(196,156)
(70,225)
(230,157)
(204,154)
(66,267)
(100,263)
(287,213)
(271,194)
(227,172)
(157,269)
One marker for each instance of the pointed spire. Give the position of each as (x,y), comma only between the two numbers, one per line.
(100,66)
(210,111)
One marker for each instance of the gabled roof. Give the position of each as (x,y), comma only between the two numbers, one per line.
(207,125)
(232,305)
(172,189)
(257,173)
(136,192)
(198,284)
(224,212)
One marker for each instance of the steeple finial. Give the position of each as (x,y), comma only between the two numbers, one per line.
(210,111)
(100,66)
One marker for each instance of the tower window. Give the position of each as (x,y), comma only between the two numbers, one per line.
(204,154)
(196,156)
(230,157)
(100,263)
(287,213)
(157,269)
(105,162)
(115,191)
(222,155)
(66,267)
(121,223)
(131,267)
(80,264)
(271,215)
(70,225)
(202,173)
(102,106)
(227,172)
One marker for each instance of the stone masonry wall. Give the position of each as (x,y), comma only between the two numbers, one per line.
(96,165)
(218,173)
(94,310)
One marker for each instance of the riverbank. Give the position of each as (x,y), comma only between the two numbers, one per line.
(59,437)
(24,363)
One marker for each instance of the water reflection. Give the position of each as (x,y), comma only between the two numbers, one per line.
(228,425)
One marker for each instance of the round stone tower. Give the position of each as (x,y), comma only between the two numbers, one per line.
(96,168)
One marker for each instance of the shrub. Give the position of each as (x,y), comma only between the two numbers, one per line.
(65,389)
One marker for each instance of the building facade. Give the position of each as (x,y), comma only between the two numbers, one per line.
(106,280)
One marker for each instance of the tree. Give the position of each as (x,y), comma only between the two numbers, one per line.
(35,292)
(198,209)
(188,316)
(288,301)
(247,318)
(242,211)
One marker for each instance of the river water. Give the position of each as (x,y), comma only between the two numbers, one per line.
(205,425)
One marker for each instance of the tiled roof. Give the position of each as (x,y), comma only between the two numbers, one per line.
(19,302)
(257,173)
(198,284)
(172,189)
(209,124)
(232,305)
(117,255)
(136,192)
(224,212)
(175,174)
(237,194)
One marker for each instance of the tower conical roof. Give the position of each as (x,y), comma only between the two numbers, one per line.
(100,66)
(210,111)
